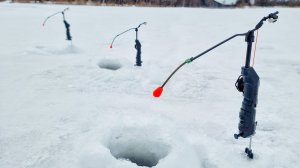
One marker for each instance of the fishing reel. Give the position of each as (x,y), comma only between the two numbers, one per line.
(239,84)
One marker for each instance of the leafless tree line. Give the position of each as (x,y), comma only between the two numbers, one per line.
(174,3)
(163,3)
(269,3)
(277,2)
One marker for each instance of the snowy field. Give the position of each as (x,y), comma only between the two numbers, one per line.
(59,109)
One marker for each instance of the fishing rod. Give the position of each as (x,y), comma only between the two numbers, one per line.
(247,82)
(67,25)
(137,46)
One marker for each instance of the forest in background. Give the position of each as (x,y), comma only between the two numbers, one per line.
(171,3)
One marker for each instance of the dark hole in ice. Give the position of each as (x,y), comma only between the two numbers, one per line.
(148,159)
(141,152)
(109,64)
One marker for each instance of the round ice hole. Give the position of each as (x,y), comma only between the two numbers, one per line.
(109,64)
(141,151)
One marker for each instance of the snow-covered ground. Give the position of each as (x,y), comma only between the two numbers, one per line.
(59,109)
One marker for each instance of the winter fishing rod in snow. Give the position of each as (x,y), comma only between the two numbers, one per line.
(67,25)
(247,82)
(137,43)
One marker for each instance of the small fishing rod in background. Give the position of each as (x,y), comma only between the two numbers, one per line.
(137,46)
(247,82)
(67,25)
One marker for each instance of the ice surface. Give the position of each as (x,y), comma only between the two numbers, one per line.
(58,109)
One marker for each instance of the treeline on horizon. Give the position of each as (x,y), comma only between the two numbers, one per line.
(171,3)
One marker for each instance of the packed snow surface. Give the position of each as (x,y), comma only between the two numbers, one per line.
(84,105)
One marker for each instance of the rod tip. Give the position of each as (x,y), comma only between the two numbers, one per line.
(157,92)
